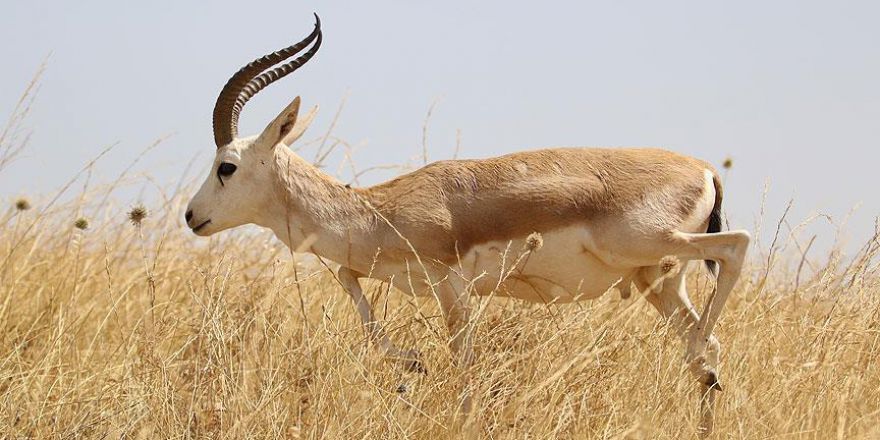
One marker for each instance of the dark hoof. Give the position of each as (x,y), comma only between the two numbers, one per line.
(712,381)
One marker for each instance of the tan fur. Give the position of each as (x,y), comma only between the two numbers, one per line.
(447,207)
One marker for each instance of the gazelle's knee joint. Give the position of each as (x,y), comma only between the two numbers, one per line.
(736,251)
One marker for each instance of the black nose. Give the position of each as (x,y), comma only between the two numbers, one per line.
(188,215)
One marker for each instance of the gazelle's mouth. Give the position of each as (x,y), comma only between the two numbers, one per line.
(199,227)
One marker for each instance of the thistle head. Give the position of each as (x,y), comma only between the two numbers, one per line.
(727,164)
(670,265)
(81,223)
(137,214)
(22,204)
(534,242)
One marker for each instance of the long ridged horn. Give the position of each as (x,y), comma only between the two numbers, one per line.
(245,83)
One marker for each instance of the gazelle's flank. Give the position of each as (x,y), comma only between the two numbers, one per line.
(606,216)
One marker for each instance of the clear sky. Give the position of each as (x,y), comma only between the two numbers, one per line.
(789,89)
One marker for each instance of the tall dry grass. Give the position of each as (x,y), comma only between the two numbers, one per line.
(112,329)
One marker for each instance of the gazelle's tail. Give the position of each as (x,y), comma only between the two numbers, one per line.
(715,221)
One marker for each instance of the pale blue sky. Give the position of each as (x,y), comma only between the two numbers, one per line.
(789,89)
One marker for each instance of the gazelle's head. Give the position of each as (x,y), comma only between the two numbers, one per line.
(235,192)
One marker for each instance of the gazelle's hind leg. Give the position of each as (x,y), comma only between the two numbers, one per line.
(671,299)
(726,248)
(729,250)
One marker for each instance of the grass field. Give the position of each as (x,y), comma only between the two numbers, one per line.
(113,328)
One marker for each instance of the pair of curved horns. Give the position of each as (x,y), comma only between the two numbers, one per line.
(252,78)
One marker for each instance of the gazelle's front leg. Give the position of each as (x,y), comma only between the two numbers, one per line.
(453,298)
(454,304)
(375,333)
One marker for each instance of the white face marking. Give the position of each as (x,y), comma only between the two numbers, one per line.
(225,202)
(229,155)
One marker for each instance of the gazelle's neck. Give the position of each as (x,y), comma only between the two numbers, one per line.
(312,212)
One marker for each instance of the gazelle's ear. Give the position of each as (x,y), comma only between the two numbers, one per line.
(281,126)
(300,127)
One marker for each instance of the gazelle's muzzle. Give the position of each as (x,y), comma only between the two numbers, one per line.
(196,224)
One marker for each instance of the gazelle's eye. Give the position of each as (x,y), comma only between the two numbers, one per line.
(226,169)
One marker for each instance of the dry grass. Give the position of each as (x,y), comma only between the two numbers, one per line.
(111,329)
(234,347)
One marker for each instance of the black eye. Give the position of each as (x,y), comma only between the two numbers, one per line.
(226,169)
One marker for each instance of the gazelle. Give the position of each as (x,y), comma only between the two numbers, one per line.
(606,218)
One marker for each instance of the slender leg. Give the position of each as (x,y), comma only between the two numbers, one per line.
(375,332)
(728,249)
(672,301)
(453,298)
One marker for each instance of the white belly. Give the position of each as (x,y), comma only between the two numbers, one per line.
(567,267)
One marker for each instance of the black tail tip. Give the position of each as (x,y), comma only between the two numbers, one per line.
(712,266)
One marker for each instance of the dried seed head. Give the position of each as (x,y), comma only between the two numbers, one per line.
(728,163)
(137,214)
(81,223)
(534,241)
(670,265)
(22,204)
